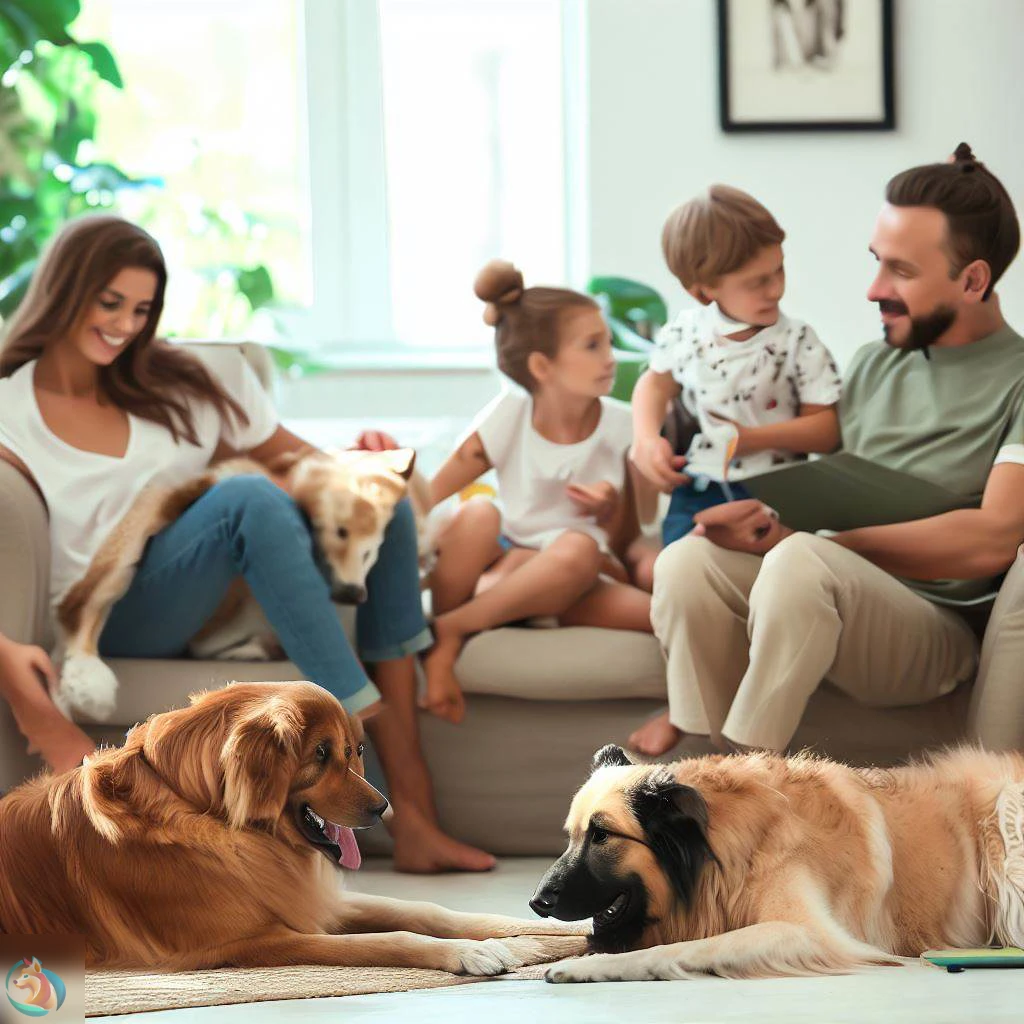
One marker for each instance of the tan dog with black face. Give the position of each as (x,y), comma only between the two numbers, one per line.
(349,498)
(213,838)
(760,865)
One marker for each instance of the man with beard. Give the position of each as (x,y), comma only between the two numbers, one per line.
(753,616)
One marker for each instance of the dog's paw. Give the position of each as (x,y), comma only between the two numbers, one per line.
(486,957)
(600,967)
(542,949)
(87,686)
(637,965)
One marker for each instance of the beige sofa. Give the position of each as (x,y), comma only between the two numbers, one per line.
(539,701)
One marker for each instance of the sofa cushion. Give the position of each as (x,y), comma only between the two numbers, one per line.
(570,663)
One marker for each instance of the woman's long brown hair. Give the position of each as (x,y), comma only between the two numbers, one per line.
(151,379)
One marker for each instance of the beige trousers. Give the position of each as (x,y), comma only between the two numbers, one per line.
(749,639)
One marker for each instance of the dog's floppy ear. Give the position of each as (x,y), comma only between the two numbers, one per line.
(259,758)
(398,460)
(609,756)
(675,820)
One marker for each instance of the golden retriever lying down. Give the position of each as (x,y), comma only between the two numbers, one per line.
(760,865)
(213,838)
(349,497)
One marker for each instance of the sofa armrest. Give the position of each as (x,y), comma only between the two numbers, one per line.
(24,560)
(996,715)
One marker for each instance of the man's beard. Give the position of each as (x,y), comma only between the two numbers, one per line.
(924,330)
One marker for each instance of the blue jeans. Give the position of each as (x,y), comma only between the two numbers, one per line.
(690,499)
(246,526)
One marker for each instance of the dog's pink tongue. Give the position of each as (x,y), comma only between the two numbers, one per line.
(351,858)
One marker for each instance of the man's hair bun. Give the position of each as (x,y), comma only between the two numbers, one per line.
(963,154)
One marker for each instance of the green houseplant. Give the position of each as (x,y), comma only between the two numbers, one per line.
(635,311)
(49,169)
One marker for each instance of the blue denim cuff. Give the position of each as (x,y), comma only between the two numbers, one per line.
(363,698)
(420,642)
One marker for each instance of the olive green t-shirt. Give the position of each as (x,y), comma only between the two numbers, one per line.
(947,417)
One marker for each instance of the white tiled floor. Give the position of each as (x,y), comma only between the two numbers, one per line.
(915,994)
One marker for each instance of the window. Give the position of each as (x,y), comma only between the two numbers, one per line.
(373,154)
(474,155)
(211,106)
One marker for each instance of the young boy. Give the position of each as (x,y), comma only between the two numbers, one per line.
(761,386)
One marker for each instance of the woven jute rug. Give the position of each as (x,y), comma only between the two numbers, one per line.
(108,993)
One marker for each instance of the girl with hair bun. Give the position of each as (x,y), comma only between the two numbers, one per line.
(558,444)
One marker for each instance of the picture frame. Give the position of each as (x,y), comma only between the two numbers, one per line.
(806,65)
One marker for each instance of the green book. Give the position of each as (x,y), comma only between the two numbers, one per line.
(960,959)
(844,492)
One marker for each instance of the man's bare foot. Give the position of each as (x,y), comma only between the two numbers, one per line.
(421,848)
(655,737)
(443,694)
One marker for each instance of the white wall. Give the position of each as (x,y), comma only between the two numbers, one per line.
(655,141)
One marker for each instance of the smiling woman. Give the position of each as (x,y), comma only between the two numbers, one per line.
(95,408)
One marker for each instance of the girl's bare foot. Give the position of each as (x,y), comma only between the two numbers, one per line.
(421,848)
(443,693)
(655,737)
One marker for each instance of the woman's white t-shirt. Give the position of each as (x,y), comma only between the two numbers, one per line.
(87,493)
(533,472)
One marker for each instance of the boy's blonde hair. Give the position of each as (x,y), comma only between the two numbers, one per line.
(716,233)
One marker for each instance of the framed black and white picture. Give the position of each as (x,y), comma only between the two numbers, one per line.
(805,65)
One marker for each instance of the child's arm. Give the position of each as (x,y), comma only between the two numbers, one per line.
(460,469)
(814,429)
(651,453)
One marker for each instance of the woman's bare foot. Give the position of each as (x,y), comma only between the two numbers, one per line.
(421,848)
(655,737)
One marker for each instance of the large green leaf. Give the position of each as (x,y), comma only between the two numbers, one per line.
(51,16)
(103,63)
(630,301)
(256,284)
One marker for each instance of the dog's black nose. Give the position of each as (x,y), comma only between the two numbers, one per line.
(381,809)
(348,593)
(544,901)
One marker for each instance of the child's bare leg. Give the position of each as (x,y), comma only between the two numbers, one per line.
(468,545)
(640,558)
(509,562)
(546,583)
(655,737)
(611,606)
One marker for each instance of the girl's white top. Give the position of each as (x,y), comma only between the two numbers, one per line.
(533,472)
(86,493)
(756,382)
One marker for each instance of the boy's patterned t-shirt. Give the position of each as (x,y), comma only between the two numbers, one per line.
(756,382)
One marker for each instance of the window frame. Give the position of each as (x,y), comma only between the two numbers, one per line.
(347,215)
